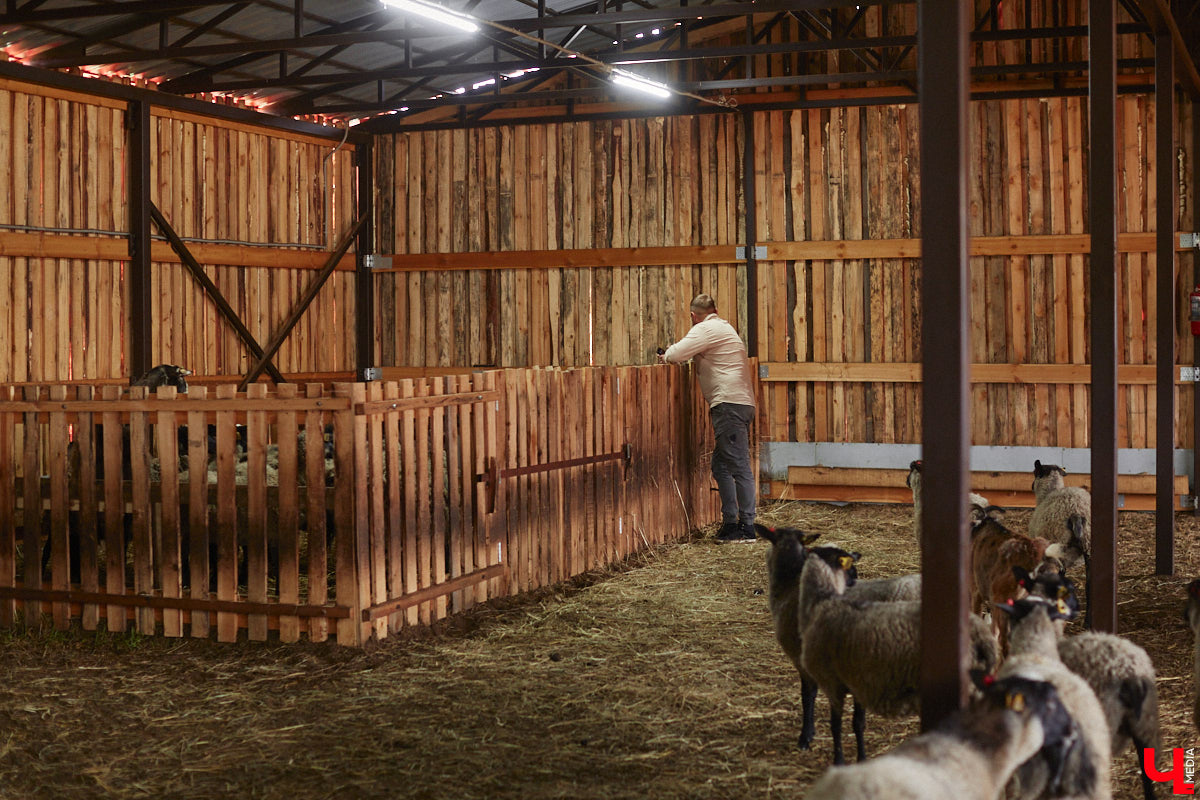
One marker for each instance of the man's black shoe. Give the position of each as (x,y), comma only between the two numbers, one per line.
(736,532)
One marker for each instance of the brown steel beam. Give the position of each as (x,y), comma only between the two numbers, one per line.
(137,277)
(944,83)
(364,278)
(1164,193)
(193,266)
(1102,213)
(303,303)
(1159,15)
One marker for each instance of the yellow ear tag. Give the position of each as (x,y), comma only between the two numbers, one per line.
(1063,592)
(847,562)
(1015,702)
(1062,608)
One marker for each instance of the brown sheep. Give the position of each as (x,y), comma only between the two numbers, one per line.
(995,550)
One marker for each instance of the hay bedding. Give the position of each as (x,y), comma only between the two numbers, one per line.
(659,679)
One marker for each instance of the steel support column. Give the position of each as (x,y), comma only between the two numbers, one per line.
(137,277)
(943,86)
(364,279)
(1195,181)
(1164,78)
(1102,206)
(749,191)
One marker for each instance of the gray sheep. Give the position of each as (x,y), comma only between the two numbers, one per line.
(1056,504)
(870,650)
(1079,766)
(785,559)
(977,505)
(969,756)
(1119,672)
(1193,618)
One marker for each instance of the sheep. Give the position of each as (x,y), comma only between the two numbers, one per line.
(976,504)
(969,756)
(869,649)
(1119,672)
(1192,614)
(1079,766)
(785,559)
(1056,504)
(995,550)
(164,375)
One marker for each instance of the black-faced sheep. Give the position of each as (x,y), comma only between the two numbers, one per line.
(870,650)
(785,560)
(1079,766)
(969,756)
(1119,672)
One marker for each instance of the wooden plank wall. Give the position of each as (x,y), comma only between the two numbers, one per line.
(63,187)
(587,185)
(848,174)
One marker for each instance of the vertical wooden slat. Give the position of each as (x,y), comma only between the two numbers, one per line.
(197,523)
(316,480)
(143,545)
(114,509)
(467,470)
(350,514)
(227,516)
(453,491)
(256,513)
(376,487)
(440,511)
(395,506)
(60,574)
(412,480)
(423,477)
(89,524)
(32,518)
(168,460)
(287,531)
(8,518)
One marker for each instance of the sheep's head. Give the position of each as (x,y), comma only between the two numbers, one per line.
(789,549)
(1064,607)
(1047,478)
(913,481)
(840,561)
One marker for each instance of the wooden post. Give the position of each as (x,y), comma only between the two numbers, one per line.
(364,303)
(138,123)
(1102,206)
(1164,61)
(943,89)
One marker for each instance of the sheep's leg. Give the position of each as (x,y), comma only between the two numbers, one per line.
(835,725)
(808,700)
(860,729)
(1139,747)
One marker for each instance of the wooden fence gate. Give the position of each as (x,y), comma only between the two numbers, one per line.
(358,509)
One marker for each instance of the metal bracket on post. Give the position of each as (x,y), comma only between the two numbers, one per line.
(372,374)
(1189,374)
(1189,240)
(371,261)
(764,372)
(760,252)
(1187,500)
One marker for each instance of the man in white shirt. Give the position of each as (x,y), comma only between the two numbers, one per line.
(724,374)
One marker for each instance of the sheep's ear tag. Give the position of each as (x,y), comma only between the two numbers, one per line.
(847,562)
(1062,608)
(1015,701)
(988,680)
(1063,592)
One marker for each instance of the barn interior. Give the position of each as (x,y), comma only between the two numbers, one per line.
(417,275)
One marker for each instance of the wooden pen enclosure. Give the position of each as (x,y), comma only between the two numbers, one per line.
(353,513)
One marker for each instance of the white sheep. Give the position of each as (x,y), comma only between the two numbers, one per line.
(977,505)
(969,756)
(1192,615)
(785,559)
(1056,505)
(1119,672)
(870,650)
(1079,766)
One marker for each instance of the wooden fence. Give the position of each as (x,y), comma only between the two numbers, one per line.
(352,512)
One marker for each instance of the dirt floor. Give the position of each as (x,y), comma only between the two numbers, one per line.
(660,679)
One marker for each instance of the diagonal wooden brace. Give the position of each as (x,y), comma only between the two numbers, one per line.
(310,294)
(201,276)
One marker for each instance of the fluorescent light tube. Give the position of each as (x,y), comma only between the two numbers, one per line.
(436,13)
(628,79)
